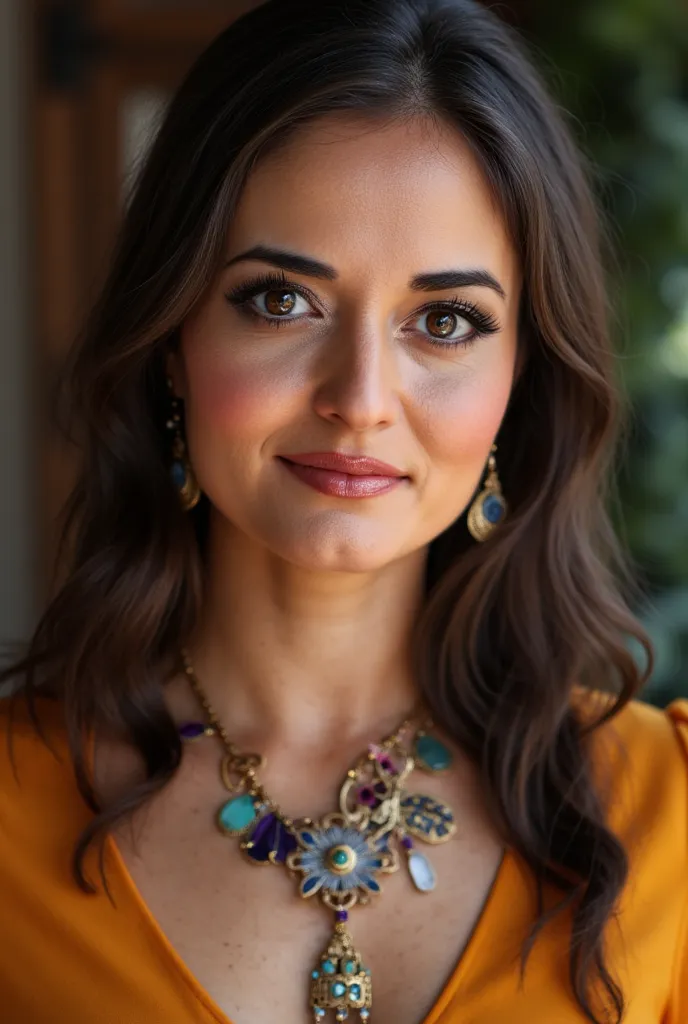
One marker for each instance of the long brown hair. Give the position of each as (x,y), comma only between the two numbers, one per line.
(509,627)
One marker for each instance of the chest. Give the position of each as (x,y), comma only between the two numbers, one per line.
(251,941)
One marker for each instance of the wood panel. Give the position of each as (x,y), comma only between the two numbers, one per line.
(184,25)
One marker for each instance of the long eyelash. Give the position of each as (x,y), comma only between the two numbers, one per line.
(241,295)
(483,323)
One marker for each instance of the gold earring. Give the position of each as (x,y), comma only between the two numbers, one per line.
(181,472)
(489,508)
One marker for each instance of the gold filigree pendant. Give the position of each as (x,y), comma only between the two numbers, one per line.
(341,983)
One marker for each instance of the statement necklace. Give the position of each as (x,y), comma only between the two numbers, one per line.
(340,857)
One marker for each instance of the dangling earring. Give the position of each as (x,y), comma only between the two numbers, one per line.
(180,470)
(489,508)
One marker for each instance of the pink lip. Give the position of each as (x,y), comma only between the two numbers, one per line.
(343,476)
(354,465)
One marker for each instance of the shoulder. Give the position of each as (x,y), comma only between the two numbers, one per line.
(25,739)
(660,734)
(640,759)
(38,789)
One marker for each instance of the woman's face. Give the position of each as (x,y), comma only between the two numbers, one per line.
(344,355)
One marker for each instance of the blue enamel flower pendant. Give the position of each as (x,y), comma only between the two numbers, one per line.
(339,860)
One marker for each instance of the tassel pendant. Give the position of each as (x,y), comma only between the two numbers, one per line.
(341,982)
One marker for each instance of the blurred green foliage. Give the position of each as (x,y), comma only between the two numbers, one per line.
(620,68)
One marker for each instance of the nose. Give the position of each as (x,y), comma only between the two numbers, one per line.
(360,386)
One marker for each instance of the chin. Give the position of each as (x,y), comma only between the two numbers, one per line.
(334,549)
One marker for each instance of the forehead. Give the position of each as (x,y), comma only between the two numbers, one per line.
(367,197)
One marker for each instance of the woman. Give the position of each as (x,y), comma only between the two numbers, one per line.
(343,600)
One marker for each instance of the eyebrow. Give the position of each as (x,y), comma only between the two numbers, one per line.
(429,282)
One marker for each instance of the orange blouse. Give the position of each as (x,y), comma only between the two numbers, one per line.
(71,958)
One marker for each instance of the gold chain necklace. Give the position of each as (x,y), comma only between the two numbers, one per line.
(339,857)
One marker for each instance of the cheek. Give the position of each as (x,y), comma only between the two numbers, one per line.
(235,394)
(461,418)
(231,403)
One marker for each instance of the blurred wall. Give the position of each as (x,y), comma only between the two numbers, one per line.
(17,531)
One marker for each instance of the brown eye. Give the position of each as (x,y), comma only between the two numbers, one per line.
(271,300)
(441,323)
(278,302)
(444,325)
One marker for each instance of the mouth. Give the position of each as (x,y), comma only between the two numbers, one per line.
(344,476)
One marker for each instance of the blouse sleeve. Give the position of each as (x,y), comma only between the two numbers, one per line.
(677,1010)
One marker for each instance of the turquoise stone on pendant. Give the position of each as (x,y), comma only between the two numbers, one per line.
(431,754)
(237,814)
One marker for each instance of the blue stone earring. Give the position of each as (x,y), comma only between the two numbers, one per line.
(489,508)
(180,470)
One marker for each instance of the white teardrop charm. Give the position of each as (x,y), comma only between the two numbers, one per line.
(421,871)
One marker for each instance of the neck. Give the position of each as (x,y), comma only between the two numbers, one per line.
(287,656)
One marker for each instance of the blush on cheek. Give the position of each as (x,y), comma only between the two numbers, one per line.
(464,422)
(229,390)
(232,402)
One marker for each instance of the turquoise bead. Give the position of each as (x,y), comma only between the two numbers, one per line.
(329,967)
(355,992)
(339,857)
(432,754)
(349,967)
(338,988)
(315,974)
(237,814)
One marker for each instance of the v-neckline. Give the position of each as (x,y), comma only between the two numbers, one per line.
(469,953)
(475,941)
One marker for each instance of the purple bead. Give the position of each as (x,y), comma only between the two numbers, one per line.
(286,844)
(269,836)
(342,915)
(191,730)
(366,795)
(262,837)
(407,842)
